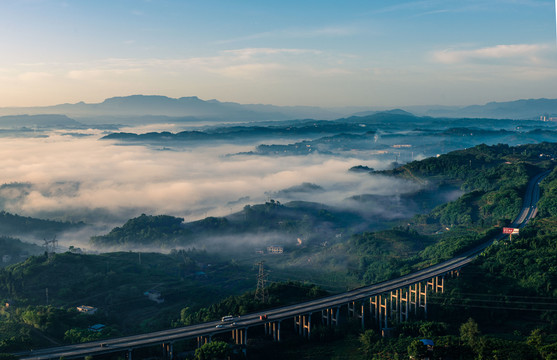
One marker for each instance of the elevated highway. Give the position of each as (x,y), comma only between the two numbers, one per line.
(406,288)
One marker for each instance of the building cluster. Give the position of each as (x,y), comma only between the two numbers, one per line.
(275,249)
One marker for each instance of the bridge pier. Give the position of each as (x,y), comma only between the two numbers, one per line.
(353,312)
(202,340)
(373,308)
(430,284)
(383,312)
(403,308)
(351,309)
(330,316)
(413,291)
(362,316)
(240,336)
(325,317)
(335,319)
(167,351)
(129,354)
(307,326)
(440,285)
(274,329)
(302,324)
(394,303)
(422,295)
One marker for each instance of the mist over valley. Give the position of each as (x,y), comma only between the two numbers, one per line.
(100,176)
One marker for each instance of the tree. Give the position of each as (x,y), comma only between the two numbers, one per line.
(470,333)
(417,350)
(536,339)
(214,350)
(368,340)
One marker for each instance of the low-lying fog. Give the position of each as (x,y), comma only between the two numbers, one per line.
(81,178)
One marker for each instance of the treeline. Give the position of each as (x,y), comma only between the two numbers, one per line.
(277,294)
(11,224)
(462,164)
(13,250)
(294,219)
(146,229)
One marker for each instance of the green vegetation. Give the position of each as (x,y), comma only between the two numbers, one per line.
(515,281)
(16,225)
(494,178)
(161,229)
(116,284)
(14,250)
(213,350)
(279,294)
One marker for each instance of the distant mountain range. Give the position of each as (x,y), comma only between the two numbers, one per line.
(519,109)
(147,108)
(154,108)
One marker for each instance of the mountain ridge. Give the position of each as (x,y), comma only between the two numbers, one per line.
(194,107)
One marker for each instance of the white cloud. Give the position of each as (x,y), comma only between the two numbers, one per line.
(501,54)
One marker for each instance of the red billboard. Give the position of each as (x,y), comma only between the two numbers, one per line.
(507,230)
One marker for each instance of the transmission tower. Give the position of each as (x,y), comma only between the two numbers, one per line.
(261,293)
(50,246)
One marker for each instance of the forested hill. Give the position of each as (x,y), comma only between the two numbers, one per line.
(478,171)
(17,225)
(461,164)
(291,220)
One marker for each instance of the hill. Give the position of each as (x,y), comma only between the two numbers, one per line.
(518,109)
(25,226)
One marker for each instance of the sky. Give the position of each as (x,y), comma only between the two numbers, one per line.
(323,53)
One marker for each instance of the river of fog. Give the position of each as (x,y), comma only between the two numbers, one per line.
(78,177)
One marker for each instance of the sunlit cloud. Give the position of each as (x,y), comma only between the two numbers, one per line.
(525,53)
(98,74)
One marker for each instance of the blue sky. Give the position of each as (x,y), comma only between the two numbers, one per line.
(325,53)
